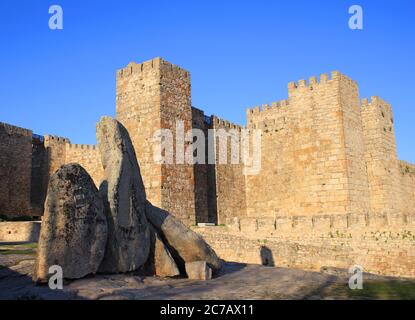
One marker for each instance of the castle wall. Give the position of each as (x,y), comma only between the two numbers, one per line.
(272,191)
(88,157)
(40,176)
(15,170)
(354,146)
(380,244)
(407,183)
(60,151)
(201,171)
(381,156)
(177,179)
(55,152)
(230,179)
(311,151)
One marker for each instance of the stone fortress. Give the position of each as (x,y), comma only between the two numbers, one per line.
(331,191)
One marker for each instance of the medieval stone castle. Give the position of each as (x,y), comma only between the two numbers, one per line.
(331,190)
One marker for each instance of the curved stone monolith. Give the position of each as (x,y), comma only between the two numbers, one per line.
(124,199)
(74,228)
(184,244)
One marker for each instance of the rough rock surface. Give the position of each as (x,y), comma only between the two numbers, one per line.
(198,270)
(74,228)
(161,262)
(124,199)
(184,244)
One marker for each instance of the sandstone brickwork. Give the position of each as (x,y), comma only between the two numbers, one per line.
(40,176)
(381,157)
(230,180)
(204,185)
(156,95)
(407,183)
(382,244)
(61,151)
(312,151)
(15,170)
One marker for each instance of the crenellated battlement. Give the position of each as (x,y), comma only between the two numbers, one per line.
(153,64)
(173,69)
(274,106)
(52,138)
(339,224)
(313,83)
(221,123)
(374,101)
(377,110)
(324,79)
(80,146)
(10,129)
(134,67)
(407,168)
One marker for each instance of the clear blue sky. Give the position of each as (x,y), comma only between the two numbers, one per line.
(240,54)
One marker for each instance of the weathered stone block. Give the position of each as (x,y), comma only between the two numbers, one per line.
(185,244)
(198,270)
(74,228)
(160,262)
(124,197)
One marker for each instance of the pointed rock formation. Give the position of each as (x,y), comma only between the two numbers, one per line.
(124,199)
(184,244)
(161,262)
(74,228)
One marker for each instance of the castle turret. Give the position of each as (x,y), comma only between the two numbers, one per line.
(156,95)
(381,156)
(56,152)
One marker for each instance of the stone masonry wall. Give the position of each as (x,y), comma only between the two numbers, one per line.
(354,145)
(55,148)
(151,96)
(89,158)
(407,183)
(138,109)
(201,171)
(381,156)
(230,179)
(60,151)
(177,179)
(40,176)
(312,146)
(381,244)
(15,170)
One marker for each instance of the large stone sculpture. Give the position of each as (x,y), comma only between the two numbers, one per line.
(185,245)
(124,200)
(74,228)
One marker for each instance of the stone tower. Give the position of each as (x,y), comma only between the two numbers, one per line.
(157,95)
(381,156)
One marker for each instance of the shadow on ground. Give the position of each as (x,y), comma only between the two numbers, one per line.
(235,282)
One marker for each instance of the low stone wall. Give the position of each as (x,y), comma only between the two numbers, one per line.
(383,248)
(19,231)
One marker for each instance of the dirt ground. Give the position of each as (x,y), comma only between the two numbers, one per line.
(235,282)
